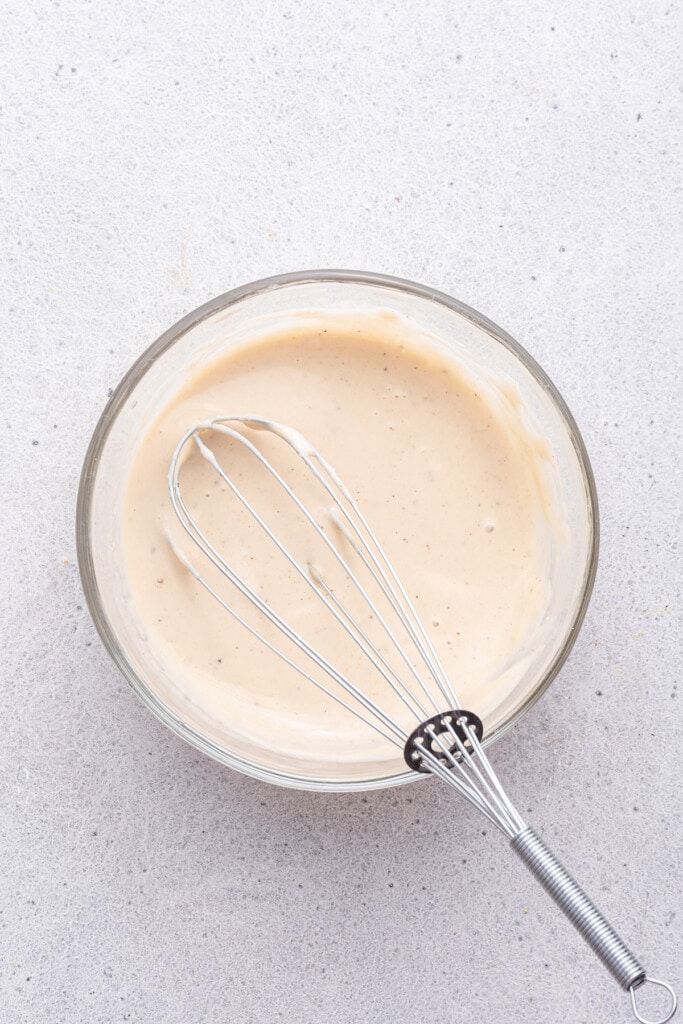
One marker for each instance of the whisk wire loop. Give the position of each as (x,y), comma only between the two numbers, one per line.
(202,542)
(310,577)
(380,568)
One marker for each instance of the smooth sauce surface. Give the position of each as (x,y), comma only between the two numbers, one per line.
(446,472)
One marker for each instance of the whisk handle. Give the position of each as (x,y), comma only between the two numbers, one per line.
(586,918)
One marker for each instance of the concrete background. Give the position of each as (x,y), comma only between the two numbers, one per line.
(524,156)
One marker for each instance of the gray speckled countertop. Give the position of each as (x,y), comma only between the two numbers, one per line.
(520,155)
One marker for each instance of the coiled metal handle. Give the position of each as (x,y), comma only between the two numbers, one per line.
(587,919)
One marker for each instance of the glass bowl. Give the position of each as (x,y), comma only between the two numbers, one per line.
(213,329)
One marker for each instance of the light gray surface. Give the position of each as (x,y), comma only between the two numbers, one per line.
(520,155)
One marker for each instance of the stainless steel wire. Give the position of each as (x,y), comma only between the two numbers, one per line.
(448,746)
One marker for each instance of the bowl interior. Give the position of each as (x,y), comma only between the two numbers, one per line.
(227,323)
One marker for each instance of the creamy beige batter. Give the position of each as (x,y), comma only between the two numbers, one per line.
(452,479)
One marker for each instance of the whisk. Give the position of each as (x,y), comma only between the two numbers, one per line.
(442,738)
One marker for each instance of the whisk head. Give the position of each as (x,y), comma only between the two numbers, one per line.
(315,524)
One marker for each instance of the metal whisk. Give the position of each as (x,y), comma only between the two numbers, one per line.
(442,739)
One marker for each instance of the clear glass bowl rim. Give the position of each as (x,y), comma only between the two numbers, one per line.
(127,386)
